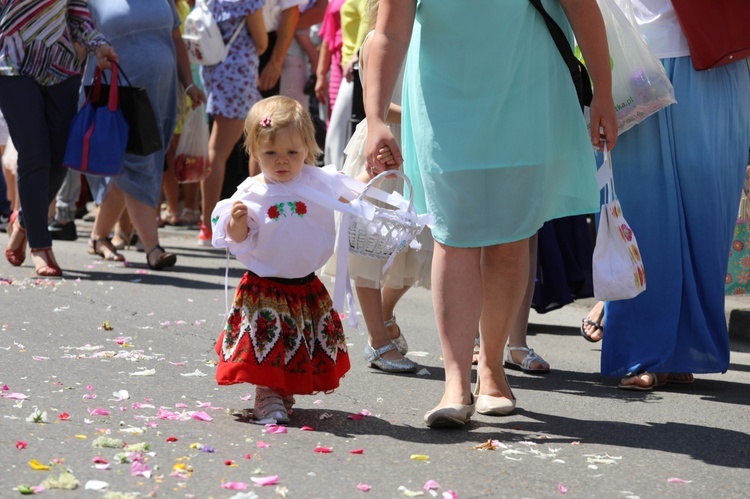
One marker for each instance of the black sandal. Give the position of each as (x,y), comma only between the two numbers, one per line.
(103,247)
(164,260)
(596,325)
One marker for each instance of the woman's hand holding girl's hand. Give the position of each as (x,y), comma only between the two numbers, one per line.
(382,151)
(196,96)
(105,54)
(603,122)
(237,229)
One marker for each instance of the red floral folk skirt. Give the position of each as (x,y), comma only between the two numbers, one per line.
(283,334)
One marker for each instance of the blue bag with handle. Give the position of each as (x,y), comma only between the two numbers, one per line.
(98,135)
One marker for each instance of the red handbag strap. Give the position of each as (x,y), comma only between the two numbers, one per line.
(114,93)
(96,88)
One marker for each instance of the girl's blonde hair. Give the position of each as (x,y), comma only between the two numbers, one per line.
(372,13)
(270,115)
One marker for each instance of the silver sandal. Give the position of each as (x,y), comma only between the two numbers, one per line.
(270,405)
(525,365)
(399,341)
(374,357)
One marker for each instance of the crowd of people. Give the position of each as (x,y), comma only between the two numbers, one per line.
(496,150)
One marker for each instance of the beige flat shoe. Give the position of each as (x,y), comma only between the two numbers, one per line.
(493,406)
(450,416)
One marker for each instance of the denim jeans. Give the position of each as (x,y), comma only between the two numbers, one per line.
(38,120)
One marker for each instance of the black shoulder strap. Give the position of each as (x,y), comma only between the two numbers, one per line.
(577,70)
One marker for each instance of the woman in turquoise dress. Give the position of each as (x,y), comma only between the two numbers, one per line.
(495,144)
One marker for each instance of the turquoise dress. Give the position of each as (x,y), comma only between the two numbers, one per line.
(494,140)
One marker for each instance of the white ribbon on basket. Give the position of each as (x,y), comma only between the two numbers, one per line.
(356,207)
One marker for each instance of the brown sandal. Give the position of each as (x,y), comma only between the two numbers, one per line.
(103,247)
(49,268)
(162,261)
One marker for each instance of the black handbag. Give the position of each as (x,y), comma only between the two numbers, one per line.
(577,70)
(145,134)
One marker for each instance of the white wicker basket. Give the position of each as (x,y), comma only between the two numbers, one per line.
(390,230)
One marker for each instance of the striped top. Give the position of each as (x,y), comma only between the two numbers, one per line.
(36,38)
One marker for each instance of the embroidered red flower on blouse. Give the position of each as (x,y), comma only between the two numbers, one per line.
(300,208)
(273,212)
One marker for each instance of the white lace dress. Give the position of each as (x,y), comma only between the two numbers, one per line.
(410,267)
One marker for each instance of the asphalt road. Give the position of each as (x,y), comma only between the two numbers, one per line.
(121,352)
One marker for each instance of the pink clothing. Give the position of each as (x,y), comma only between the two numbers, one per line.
(330,33)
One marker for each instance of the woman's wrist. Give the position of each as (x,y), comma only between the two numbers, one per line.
(187,88)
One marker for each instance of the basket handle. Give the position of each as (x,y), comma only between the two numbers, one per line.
(378,194)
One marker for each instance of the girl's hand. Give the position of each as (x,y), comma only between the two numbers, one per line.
(105,54)
(603,122)
(239,213)
(381,150)
(237,228)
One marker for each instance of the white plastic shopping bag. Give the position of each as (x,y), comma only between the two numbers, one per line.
(640,86)
(191,159)
(617,263)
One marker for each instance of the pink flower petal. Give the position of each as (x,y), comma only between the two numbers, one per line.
(99,411)
(431,485)
(179,364)
(261,444)
(181,406)
(365,412)
(140,469)
(90,396)
(99,460)
(450,494)
(246,397)
(562,488)
(678,480)
(275,429)
(20,445)
(355,417)
(307,428)
(357,451)
(16,396)
(267,480)
(364,487)
(323,450)
(234,485)
(201,416)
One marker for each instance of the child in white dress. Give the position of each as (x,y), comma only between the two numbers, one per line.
(282,333)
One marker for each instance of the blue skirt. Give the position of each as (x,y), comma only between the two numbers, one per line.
(678,176)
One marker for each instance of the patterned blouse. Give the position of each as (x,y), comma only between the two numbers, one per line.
(36,38)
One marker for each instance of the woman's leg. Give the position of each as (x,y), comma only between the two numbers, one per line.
(169,185)
(457,298)
(517,337)
(224,135)
(38,120)
(505,271)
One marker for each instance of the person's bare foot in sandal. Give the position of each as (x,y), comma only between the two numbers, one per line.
(592,326)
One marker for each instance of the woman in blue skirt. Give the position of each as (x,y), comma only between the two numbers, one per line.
(679,177)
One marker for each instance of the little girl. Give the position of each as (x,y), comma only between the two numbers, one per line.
(282,333)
